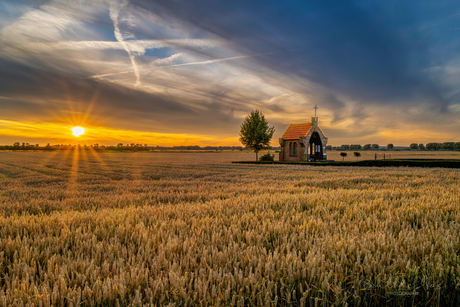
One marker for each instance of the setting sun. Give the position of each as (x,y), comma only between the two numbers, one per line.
(77,131)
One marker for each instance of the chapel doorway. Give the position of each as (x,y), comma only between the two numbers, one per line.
(316,147)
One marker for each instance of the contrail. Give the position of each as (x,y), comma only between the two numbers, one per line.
(186,64)
(211,61)
(115,7)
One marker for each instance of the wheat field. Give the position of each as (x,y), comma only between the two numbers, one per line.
(83,228)
(394,154)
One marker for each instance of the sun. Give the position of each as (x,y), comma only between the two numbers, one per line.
(77,131)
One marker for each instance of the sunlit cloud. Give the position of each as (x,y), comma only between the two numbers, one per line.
(167,68)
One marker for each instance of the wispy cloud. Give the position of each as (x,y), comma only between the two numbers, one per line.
(115,7)
(216,60)
(137,46)
(161,63)
(201,64)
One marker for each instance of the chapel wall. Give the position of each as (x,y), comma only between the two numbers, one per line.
(287,154)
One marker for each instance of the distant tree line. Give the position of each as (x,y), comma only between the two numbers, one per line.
(414,146)
(118,147)
(436,146)
(364,147)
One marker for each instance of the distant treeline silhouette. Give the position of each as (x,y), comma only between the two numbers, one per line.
(413,146)
(365,147)
(118,147)
(436,146)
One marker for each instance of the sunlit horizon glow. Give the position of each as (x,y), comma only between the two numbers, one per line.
(56,133)
(41,132)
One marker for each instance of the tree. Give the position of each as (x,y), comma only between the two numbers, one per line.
(345,147)
(255,133)
(367,146)
(457,146)
(357,155)
(413,146)
(375,146)
(390,146)
(421,146)
(356,147)
(447,146)
(343,154)
(433,146)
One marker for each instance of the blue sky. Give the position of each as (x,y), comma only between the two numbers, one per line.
(380,71)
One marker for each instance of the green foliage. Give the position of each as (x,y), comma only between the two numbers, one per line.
(345,147)
(267,158)
(255,132)
(413,146)
(356,147)
(447,146)
(375,146)
(421,147)
(390,146)
(343,154)
(433,146)
(367,146)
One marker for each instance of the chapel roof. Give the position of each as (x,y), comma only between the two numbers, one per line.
(295,131)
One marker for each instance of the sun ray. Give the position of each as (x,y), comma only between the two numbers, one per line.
(91,104)
(73,176)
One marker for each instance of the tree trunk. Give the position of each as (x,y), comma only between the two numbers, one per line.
(257,156)
(343,159)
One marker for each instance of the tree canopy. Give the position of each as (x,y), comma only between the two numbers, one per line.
(357,154)
(255,132)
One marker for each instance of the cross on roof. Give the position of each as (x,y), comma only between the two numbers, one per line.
(315,107)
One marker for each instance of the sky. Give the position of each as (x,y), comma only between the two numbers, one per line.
(178,72)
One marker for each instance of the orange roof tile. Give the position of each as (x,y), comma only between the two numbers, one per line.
(295,131)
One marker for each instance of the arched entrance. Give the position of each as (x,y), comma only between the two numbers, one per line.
(316,147)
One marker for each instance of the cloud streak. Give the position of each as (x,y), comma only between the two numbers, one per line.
(203,66)
(115,7)
(183,64)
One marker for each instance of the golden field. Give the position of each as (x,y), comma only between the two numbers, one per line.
(82,228)
(394,154)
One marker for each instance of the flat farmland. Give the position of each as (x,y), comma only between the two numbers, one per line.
(84,228)
(404,154)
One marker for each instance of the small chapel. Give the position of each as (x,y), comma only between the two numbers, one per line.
(303,142)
